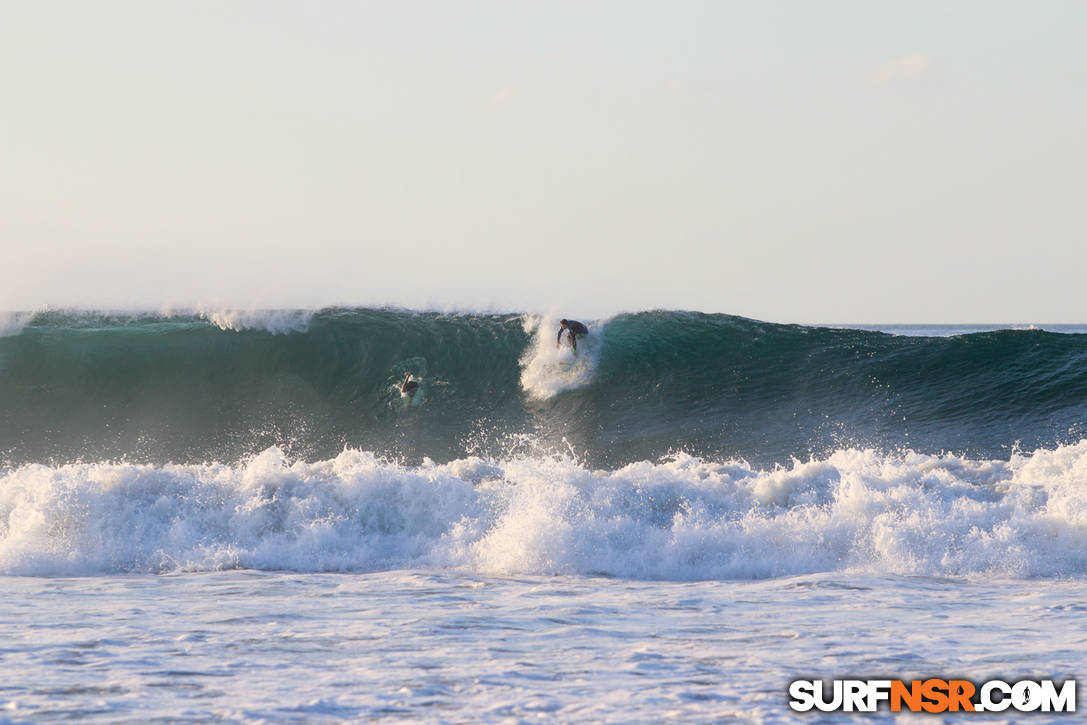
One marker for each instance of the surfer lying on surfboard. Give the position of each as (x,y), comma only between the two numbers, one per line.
(409,387)
(573,329)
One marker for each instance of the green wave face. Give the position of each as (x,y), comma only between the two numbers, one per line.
(191,388)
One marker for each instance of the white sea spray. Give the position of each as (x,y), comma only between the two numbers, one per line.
(679,519)
(279,322)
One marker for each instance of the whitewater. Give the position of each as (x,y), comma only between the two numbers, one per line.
(235,515)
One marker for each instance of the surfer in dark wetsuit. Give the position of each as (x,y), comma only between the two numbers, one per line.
(573,329)
(410,387)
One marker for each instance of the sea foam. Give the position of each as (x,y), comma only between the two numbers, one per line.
(684,518)
(12,323)
(277,322)
(548,369)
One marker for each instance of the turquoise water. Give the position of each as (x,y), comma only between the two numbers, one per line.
(191,388)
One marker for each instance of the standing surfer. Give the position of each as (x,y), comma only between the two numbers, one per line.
(573,329)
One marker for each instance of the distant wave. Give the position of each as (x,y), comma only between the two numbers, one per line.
(188,387)
(225,318)
(685,518)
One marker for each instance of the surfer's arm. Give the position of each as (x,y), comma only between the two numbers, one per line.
(558,338)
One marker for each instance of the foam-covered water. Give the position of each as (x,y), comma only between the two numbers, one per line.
(548,367)
(686,518)
(441,646)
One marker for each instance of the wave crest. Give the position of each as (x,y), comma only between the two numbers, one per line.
(12,323)
(277,322)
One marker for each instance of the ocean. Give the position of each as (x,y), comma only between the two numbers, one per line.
(216,515)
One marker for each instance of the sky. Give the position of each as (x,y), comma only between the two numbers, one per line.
(833,162)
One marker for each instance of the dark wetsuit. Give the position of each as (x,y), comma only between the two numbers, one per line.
(575,328)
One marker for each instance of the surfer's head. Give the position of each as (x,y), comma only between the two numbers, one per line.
(563,323)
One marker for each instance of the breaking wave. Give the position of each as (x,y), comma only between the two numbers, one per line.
(683,518)
(220,385)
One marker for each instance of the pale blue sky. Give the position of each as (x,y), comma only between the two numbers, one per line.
(810,162)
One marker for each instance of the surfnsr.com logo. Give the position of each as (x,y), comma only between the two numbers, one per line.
(933,695)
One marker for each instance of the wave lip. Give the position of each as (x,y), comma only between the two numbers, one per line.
(12,323)
(684,518)
(277,322)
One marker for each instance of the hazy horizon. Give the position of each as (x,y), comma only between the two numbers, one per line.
(786,162)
